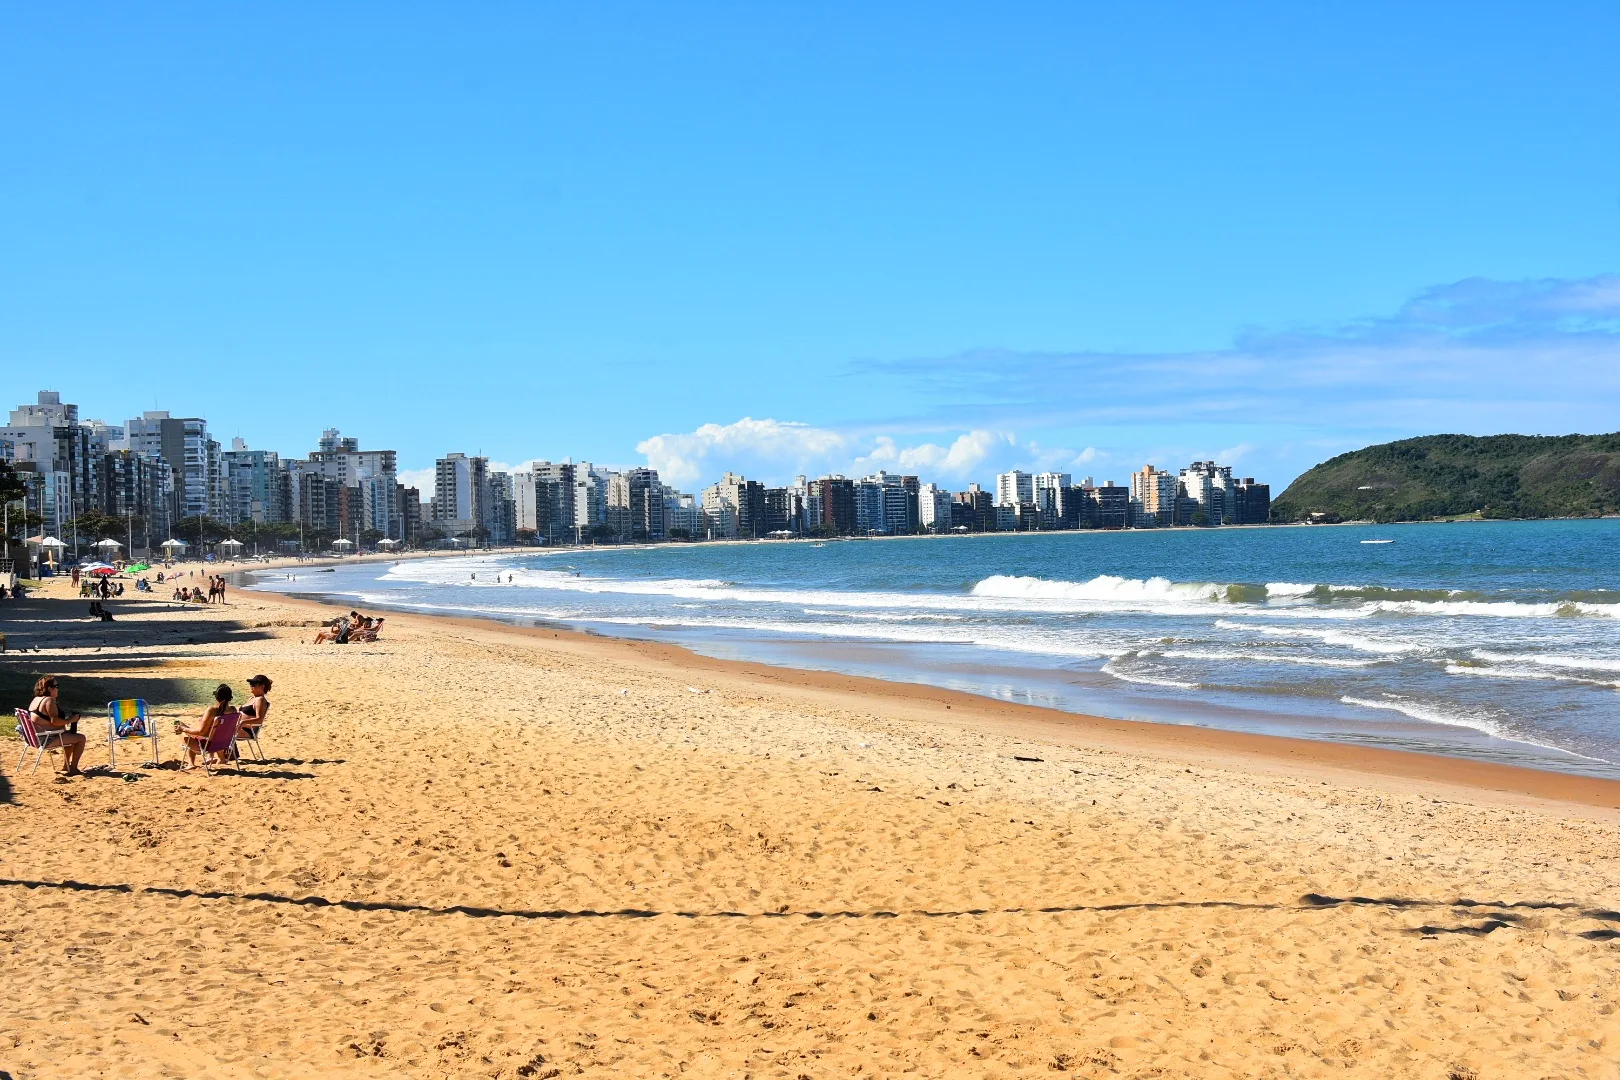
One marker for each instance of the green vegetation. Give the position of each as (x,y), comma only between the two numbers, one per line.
(89,693)
(1436,476)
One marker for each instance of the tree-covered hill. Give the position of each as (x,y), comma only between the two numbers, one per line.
(1505,476)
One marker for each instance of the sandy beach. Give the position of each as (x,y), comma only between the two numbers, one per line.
(481,850)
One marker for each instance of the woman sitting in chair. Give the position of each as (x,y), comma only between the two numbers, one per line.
(50,720)
(257,708)
(196,738)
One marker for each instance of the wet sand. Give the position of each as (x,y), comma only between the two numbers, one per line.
(480,850)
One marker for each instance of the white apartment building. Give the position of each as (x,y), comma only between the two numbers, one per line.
(460,486)
(1210,486)
(934,508)
(681,511)
(1014,488)
(590,496)
(1046,488)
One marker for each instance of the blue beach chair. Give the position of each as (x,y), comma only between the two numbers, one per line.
(129,719)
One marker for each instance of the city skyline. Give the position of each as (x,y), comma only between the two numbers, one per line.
(75,473)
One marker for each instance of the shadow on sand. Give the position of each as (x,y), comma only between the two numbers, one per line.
(1502,914)
(53,636)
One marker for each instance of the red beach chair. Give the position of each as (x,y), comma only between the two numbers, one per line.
(221,742)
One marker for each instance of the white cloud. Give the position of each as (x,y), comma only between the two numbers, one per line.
(420,479)
(1233,454)
(959,459)
(685,459)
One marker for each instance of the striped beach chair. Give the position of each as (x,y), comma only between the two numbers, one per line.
(35,739)
(129,719)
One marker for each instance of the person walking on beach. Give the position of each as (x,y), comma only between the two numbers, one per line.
(48,717)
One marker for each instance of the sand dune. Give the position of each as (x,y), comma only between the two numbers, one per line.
(484,852)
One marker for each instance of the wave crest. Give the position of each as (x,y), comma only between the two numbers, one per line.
(1104,587)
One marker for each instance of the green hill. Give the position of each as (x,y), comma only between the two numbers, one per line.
(1499,476)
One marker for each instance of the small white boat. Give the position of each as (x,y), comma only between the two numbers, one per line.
(1378,541)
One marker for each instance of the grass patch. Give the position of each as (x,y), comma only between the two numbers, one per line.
(89,694)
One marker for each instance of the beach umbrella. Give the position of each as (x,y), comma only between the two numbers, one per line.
(108,544)
(387,543)
(50,542)
(173,545)
(343,542)
(100,570)
(234,545)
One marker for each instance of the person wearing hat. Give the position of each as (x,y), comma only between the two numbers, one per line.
(257,707)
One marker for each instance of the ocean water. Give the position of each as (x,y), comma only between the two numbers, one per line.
(1492,640)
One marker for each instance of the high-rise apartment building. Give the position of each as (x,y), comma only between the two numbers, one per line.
(636,500)
(193,455)
(590,497)
(254,486)
(1014,488)
(1209,486)
(886,503)
(831,506)
(934,509)
(1251,502)
(52,454)
(683,516)
(1153,497)
(1113,506)
(500,514)
(460,487)
(973,509)
(544,497)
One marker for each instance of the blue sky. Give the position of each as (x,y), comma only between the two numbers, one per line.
(950,238)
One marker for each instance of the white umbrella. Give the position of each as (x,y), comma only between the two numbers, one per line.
(343,542)
(231,544)
(174,544)
(387,543)
(50,542)
(108,543)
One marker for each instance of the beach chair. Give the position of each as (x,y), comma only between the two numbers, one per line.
(247,731)
(129,719)
(367,635)
(35,739)
(221,742)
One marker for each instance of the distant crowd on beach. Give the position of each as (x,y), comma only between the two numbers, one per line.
(353,628)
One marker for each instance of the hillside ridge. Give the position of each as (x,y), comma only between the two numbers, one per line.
(1436,476)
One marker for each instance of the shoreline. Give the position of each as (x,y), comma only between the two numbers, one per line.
(1063,728)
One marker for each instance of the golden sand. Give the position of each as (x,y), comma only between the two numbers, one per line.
(482,851)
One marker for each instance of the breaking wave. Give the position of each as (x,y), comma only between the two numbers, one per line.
(1104,587)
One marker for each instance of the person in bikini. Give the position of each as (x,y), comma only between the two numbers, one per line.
(49,719)
(258,706)
(197,738)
